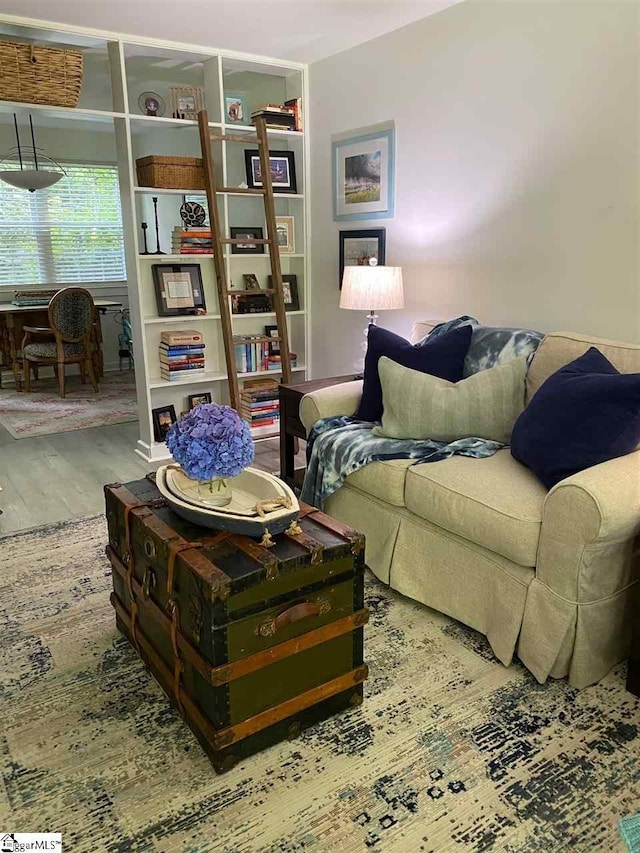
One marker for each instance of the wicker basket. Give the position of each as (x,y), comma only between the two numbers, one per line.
(170,173)
(35,74)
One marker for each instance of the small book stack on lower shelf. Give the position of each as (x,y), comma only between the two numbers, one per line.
(181,353)
(260,406)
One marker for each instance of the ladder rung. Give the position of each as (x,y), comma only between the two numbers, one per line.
(244,190)
(224,137)
(262,290)
(252,240)
(242,339)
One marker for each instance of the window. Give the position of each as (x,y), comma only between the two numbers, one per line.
(68,233)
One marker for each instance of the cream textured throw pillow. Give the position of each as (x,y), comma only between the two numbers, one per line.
(418,405)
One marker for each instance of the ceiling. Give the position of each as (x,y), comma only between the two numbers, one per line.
(299,30)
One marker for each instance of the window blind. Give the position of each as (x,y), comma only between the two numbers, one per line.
(69,233)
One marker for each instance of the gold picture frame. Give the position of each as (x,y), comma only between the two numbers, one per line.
(286,229)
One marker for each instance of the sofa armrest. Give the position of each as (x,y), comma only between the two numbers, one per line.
(336,400)
(589,524)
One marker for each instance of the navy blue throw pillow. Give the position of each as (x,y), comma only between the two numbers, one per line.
(585,413)
(442,356)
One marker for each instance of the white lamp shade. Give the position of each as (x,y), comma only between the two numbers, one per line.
(31,179)
(366,288)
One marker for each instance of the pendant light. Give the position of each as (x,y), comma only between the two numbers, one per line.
(27,177)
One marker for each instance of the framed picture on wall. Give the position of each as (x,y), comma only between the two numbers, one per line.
(358,247)
(283,170)
(363,176)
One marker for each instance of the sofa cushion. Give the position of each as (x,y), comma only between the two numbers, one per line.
(443,356)
(384,480)
(494,502)
(420,406)
(584,414)
(559,348)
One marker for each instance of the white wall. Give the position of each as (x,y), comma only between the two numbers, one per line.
(516,171)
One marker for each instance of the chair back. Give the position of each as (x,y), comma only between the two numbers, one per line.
(71,313)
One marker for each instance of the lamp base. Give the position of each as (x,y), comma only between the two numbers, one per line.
(372,317)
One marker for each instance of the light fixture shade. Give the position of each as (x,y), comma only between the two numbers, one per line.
(366,288)
(30,179)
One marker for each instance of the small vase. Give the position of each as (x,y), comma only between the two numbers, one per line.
(215,492)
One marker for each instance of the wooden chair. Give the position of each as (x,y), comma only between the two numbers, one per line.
(71,318)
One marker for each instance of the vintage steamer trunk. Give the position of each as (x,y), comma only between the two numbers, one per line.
(250,643)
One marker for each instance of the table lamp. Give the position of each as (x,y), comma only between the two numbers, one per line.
(371,288)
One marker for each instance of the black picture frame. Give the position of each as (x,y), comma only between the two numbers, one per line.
(251,282)
(285,184)
(198,399)
(272,332)
(249,248)
(363,235)
(290,288)
(162,424)
(190,279)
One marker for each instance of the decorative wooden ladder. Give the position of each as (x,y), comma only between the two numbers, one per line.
(219,241)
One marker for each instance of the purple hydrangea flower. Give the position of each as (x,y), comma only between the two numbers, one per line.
(211,441)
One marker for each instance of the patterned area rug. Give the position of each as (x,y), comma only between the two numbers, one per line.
(450,751)
(44,412)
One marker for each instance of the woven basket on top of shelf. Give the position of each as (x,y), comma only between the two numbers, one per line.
(36,74)
(170,173)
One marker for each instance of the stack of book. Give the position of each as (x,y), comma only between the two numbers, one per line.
(259,405)
(253,354)
(287,116)
(181,354)
(194,242)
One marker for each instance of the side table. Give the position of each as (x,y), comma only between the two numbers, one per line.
(291,427)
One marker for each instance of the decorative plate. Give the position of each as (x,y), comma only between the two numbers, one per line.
(192,214)
(151,104)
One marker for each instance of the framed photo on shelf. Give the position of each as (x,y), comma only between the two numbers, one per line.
(289,291)
(363,175)
(199,399)
(163,419)
(285,227)
(272,332)
(235,110)
(251,281)
(178,289)
(251,303)
(282,167)
(247,248)
(359,246)
(186,101)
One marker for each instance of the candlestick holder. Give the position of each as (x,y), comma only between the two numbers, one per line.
(144,227)
(158,251)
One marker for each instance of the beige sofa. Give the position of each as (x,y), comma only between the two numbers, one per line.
(548,575)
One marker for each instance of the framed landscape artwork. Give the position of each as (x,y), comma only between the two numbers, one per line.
(363,176)
(359,247)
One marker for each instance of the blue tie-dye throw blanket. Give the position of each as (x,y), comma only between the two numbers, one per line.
(340,445)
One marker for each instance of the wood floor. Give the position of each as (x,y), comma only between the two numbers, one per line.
(56,477)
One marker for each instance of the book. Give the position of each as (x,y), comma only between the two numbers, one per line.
(296,105)
(187,336)
(171,377)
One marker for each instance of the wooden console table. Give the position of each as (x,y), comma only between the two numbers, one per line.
(13,318)
(291,427)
